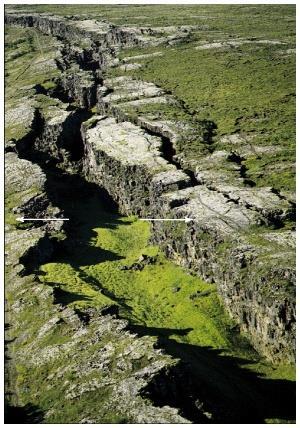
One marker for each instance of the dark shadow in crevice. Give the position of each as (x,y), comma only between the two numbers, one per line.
(39,89)
(36,255)
(218,385)
(169,154)
(64,297)
(23,414)
(238,159)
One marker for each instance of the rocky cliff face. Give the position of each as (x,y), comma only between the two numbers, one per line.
(229,240)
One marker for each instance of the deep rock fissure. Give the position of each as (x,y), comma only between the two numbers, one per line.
(168,388)
(204,269)
(236,158)
(177,387)
(168,152)
(169,381)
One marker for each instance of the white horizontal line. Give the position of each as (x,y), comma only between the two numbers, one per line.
(40,219)
(166,219)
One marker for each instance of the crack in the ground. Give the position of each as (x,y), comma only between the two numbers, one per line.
(52,191)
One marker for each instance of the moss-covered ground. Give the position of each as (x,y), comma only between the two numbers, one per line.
(247,90)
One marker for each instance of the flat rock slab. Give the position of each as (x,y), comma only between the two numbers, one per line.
(286,238)
(130,66)
(144,56)
(127,143)
(168,128)
(22,175)
(93,26)
(143,101)
(262,199)
(170,181)
(211,210)
(19,118)
(229,208)
(236,42)
(127,88)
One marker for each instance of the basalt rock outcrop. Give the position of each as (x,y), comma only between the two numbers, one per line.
(230,239)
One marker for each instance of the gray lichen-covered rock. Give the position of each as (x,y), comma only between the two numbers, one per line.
(102,33)
(125,159)
(144,56)
(22,175)
(130,66)
(126,88)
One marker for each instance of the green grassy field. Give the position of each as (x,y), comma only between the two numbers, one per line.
(245,19)
(246,90)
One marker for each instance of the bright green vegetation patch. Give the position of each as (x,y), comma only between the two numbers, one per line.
(161,295)
(162,298)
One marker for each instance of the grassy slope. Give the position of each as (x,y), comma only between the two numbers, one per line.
(248,89)
(245,90)
(28,60)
